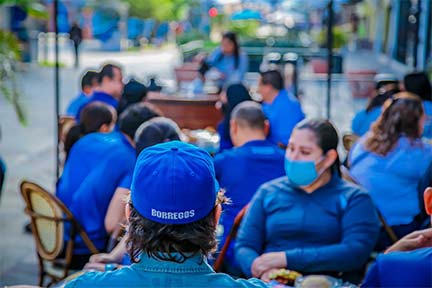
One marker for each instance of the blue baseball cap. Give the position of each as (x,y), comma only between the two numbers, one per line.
(174,183)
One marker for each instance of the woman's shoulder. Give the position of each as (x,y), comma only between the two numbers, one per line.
(278,184)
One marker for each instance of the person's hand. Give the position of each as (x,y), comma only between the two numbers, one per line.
(91,266)
(268,261)
(101,258)
(412,241)
(266,275)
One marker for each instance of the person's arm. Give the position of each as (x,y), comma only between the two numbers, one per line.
(98,261)
(116,210)
(243,65)
(251,235)
(359,233)
(412,241)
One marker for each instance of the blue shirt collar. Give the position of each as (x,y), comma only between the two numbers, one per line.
(106,98)
(257,143)
(195,264)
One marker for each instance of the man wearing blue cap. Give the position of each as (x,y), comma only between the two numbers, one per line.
(173,213)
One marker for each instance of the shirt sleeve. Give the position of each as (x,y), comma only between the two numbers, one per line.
(126,181)
(251,236)
(372,278)
(360,231)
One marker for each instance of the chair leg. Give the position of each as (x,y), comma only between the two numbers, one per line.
(41,272)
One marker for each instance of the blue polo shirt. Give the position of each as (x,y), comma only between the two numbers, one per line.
(392,180)
(363,120)
(240,171)
(226,65)
(427,132)
(101,97)
(151,272)
(97,165)
(76,103)
(283,114)
(401,269)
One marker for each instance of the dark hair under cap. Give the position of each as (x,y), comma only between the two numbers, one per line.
(274,78)
(419,84)
(155,131)
(134,116)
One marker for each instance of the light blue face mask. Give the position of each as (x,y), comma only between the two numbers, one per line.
(301,173)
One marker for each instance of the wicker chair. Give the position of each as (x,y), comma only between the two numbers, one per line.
(48,216)
(232,235)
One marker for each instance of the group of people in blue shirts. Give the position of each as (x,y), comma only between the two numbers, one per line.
(302,215)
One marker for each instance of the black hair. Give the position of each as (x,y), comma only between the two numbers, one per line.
(88,78)
(274,78)
(419,84)
(155,131)
(249,114)
(133,92)
(326,136)
(92,117)
(134,116)
(235,94)
(231,36)
(107,71)
(379,100)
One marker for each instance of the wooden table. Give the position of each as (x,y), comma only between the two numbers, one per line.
(190,113)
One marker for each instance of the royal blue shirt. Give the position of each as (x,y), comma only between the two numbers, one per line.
(392,180)
(283,114)
(427,131)
(333,228)
(97,165)
(401,269)
(151,272)
(363,120)
(76,103)
(101,97)
(240,171)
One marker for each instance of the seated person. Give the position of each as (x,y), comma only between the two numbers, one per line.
(390,160)
(100,166)
(110,87)
(282,109)
(386,86)
(241,170)
(172,221)
(154,131)
(408,263)
(227,64)
(134,92)
(95,117)
(311,220)
(234,95)
(89,82)
(419,84)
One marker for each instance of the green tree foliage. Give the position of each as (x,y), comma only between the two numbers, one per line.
(161,10)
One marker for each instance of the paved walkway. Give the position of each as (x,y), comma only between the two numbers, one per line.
(29,151)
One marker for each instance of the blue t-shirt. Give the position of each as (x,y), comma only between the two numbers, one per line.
(151,272)
(392,180)
(401,269)
(101,97)
(226,65)
(333,228)
(427,132)
(107,161)
(76,104)
(363,120)
(240,171)
(283,114)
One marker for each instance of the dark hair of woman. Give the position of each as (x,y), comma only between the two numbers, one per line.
(419,84)
(380,99)
(92,117)
(231,36)
(154,131)
(400,117)
(161,240)
(326,136)
(235,94)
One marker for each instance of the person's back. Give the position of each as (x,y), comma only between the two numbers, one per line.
(282,109)
(391,180)
(241,170)
(363,120)
(172,220)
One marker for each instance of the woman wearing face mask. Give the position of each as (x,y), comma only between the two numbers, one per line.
(390,160)
(311,220)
